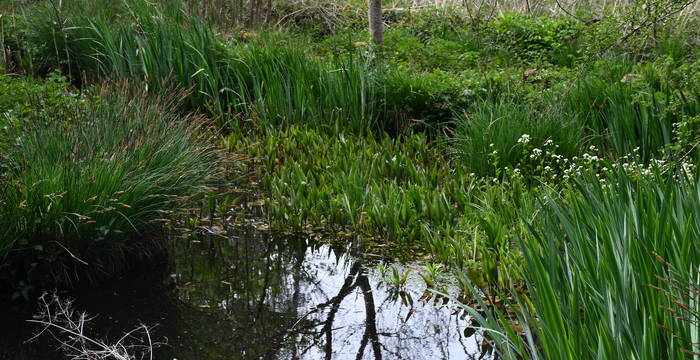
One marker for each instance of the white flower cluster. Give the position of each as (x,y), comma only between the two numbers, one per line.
(536,153)
(549,166)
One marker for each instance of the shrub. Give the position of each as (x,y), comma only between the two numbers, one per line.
(25,101)
(423,100)
(537,37)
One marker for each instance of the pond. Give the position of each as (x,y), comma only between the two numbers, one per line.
(249,294)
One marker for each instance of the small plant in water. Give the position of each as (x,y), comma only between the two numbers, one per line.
(398,279)
(431,271)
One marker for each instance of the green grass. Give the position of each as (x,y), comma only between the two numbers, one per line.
(268,82)
(81,192)
(280,86)
(487,136)
(612,272)
(626,106)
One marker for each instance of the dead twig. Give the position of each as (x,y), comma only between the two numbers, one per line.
(59,319)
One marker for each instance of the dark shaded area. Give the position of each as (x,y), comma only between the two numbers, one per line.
(243,294)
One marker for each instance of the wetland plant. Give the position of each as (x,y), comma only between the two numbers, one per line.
(614,265)
(273,84)
(81,193)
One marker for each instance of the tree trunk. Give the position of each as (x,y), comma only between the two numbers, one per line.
(376,25)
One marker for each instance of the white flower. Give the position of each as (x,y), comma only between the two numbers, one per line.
(688,168)
(548,142)
(590,158)
(524,139)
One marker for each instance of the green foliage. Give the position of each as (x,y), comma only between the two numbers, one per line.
(272,83)
(608,267)
(627,107)
(279,86)
(353,140)
(424,100)
(488,135)
(25,101)
(404,192)
(537,37)
(446,24)
(80,191)
(386,187)
(675,47)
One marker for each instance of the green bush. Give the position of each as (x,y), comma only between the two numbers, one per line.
(24,101)
(433,53)
(530,37)
(423,100)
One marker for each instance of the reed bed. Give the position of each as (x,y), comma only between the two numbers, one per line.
(164,47)
(611,272)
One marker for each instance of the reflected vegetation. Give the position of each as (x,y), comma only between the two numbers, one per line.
(303,299)
(241,293)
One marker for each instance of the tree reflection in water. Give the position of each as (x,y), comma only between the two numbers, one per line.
(247,295)
(288,298)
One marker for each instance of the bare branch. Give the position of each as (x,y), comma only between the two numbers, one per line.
(58,318)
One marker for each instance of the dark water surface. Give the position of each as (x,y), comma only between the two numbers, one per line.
(246,294)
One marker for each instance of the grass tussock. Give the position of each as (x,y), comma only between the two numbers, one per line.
(81,193)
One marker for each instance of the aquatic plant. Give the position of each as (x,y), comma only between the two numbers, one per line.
(607,266)
(405,194)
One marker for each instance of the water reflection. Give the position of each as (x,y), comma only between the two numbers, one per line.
(301,299)
(243,294)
